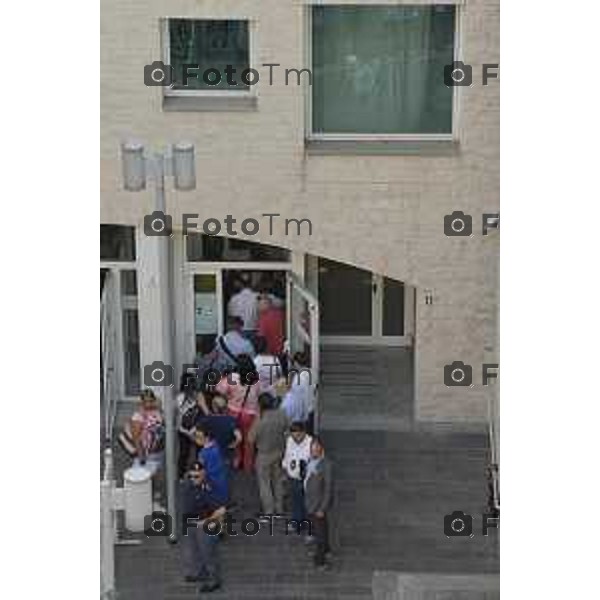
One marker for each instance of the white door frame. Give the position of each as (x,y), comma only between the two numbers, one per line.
(214,268)
(115,268)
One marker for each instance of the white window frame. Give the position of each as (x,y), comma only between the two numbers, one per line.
(121,304)
(216,92)
(371,137)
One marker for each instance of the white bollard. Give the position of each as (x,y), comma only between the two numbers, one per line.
(137,497)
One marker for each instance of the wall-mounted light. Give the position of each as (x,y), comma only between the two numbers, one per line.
(428,296)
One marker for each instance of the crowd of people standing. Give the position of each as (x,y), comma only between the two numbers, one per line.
(257,417)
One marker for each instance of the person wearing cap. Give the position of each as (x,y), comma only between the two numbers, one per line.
(201,511)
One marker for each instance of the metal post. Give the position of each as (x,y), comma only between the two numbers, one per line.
(107,530)
(313,311)
(165,282)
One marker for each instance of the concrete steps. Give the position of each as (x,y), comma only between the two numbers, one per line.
(361,382)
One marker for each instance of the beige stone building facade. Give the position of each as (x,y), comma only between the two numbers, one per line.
(376,200)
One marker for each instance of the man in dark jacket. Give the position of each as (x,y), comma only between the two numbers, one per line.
(200,507)
(318,497)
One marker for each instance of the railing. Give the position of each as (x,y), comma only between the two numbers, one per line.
(108,534)
(303,331)
(494,441)
(107,348)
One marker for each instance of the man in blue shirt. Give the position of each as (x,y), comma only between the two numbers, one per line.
(199,547)
(223,427)
(209,454)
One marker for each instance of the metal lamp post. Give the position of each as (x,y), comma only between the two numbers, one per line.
(179,162)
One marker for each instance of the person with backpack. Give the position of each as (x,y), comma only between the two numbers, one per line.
(232,345)
(241,392)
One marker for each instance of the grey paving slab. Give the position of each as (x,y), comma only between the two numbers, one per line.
(392,492)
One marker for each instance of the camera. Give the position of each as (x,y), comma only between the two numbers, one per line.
(158,524)
(458,374)
(458,524)
(158,223)
(158,374)
(458,74)
(456,224)
(158,73)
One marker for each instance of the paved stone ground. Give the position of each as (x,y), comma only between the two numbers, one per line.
(393,490)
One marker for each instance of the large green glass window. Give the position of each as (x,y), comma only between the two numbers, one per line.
(380,69)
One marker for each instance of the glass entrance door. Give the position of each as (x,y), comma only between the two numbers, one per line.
(345,297)
(207,316)
(360,307)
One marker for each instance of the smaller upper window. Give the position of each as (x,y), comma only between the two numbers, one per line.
(209,54)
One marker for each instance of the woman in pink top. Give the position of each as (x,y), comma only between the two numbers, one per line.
(242,403)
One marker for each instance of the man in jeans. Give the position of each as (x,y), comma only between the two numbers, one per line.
(318,496)
(268,434)
(295,460)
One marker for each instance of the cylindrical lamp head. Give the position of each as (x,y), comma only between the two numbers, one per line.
(184,166)
(134,166)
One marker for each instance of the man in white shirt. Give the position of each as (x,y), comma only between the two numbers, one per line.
(244,304)
(295,459)
(232,345)
(268,367)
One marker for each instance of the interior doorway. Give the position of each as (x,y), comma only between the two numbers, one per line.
(210,289)
(271,283)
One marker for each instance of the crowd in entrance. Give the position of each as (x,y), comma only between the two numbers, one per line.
(255,416)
